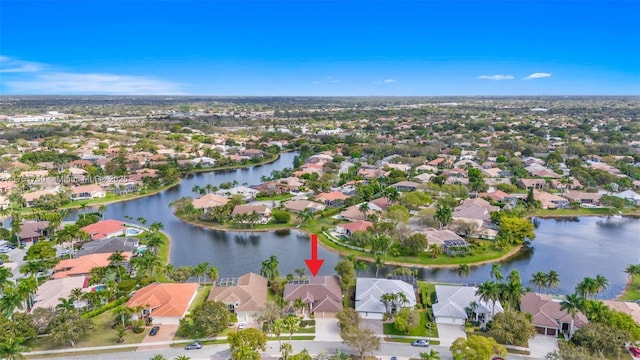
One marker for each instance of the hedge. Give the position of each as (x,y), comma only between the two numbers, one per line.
(105,307)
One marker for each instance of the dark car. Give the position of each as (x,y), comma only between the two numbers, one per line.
(193,346)
(154,330)
(421,342)
(394,358)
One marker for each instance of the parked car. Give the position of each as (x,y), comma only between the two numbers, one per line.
(242,326)
(421,342)
(634,351)
(394,358)
(154,330)
(193,346)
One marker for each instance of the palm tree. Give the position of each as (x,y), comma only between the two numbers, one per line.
(291,325)
(572,305)
(489,291)
(431,355)
(301,272)
(158,357)
(305,216)
(443,215)
(633,269)
(213,274)
(379,263)
(270,268)
(83,208)
(65,304)
(553,280)
(5,275)
(496,272)
(435,250)
(391,194)
(364,209)
(12,350)
(387,299)
(27,288)
(539,279)
(199,270)
(102,209)
(339,355)
(299,304)
(588,286)
(124,312)
(196,189)
(602,283)
(142,221)
(182,357)
(511,293)
(116,258)
(11,300)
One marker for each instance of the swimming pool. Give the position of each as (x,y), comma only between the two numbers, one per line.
(133,231)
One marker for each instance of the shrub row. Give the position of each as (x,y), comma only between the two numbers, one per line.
(105,307)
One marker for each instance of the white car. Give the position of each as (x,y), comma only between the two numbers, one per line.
(242,326)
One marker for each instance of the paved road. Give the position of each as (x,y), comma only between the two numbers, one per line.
(221,352)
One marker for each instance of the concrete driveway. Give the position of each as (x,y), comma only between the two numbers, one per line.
(166,333)
(375,325)
(449,333)
(541,345)
(327,330)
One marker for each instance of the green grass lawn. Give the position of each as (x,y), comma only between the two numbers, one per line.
(275,197)
(427,293)
(582,212)
(201,296)
(632,291)
(421,330)
(101,335)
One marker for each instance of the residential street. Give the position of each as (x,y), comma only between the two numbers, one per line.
(218,352)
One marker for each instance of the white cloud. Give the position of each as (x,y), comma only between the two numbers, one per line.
(92,83)
(538,76)
(385,81)
(495,77)
(10,65)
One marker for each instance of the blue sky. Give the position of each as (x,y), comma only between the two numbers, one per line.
(320,48)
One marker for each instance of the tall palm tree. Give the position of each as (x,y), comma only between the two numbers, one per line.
(270,268)
(553,280)
(387,299)
(572,305)
(27,288)
(379,263)
(496,272)
(198,271)
(213,274)
(117,258)
(588,286)
(364,210)
(601,282)
(65,304)
(464,270)
(5,275)
(11,300)
(489,291)
(539,279)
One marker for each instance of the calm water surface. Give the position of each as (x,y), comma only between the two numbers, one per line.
(585,247)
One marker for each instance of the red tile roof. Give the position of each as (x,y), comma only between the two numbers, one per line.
(103,229)
(165,300)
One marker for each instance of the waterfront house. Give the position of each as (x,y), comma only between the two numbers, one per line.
(209,201)
(109,245)
(582,197)
(105,229)
(83,264)
(262,210)
(32,231)
(628,307)
(164,304)
(547,316)
(84,192)
(246,192)
(370,290)
(630,196)
(321,294)
(244,296)
(455,304)
(550,201)
(536,184)
(349,228)
(297,206)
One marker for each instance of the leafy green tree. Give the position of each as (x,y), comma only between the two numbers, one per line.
(476,347)
(603,339)
(406,320)
(245,344)
(42,250)
(362,340)
(518,229)
(207,319)
(347,273)
(12,350)
(512,327)
(69,326)
(19,328)
(414,244)
(348,319)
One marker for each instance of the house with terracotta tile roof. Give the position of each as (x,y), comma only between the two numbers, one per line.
(349,228)
(627,307)
(550,201)
(582,197)
(332,199)
(83,264)
(321,294)
(165,304)
(209,201)
(353,213)
(263,210)
(548,318)
(244,296)
(105,229)
(300,205)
